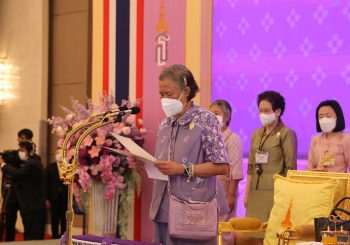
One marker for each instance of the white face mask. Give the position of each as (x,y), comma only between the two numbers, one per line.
(267,119)
(221,120)
(22,155)
(58,157)
(327,124)
(172,107)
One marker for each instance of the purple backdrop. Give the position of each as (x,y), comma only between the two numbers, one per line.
(299,48)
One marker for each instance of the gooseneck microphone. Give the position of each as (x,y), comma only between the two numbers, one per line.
(120,111)
(133,110)
(125,110)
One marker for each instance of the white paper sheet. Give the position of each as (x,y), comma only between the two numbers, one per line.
(137,151)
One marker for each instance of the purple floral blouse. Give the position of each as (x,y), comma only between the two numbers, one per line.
(194,138)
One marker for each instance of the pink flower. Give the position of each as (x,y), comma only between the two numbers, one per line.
(117,145)
(130,119)
(101,132)
(106,167)
(140,121)
(108,142)
(95,169)
(126,130)
(121,179)
(100,140)
(117,129)
(121,170)
(110,189)
(116,162)
(69,116)
(88,141)
(96,162)
(60,131)
(94,151)
(84,179)
(131,162)
(114,106)
(60,143)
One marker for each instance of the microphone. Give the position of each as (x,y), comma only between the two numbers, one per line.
(135,110)
(125,110)
(117,115)
(120,111)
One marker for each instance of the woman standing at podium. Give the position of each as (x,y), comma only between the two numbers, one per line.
(190,150)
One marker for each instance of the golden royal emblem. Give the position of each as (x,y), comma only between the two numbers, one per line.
(162,24)
(162,39)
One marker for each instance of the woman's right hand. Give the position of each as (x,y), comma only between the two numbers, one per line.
(247,190)
(246,199)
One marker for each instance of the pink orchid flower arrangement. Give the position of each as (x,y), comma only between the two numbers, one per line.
(96,162)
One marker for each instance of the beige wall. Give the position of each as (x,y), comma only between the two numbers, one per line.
(24,44)
(70,56)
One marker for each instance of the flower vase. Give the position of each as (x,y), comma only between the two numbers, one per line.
(104,213)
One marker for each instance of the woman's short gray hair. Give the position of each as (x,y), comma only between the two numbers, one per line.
(225,107)
(183,76)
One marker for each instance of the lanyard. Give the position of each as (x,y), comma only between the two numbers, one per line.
(263,140)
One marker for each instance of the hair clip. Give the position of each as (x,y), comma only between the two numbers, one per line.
(185,81)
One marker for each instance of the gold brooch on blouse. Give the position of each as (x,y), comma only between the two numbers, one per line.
(192,125)
(327,160)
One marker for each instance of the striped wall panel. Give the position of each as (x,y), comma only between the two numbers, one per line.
(133,40)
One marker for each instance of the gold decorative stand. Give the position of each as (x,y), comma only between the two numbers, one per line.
(68,170)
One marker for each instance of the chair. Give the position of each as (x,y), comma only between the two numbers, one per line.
(301,232)
(242,225)
(343,188)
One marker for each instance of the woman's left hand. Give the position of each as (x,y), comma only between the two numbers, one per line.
(169,167)
(231,201)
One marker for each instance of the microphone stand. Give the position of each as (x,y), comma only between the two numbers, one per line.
(68,170)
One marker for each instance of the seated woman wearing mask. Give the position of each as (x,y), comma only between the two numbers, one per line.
(330,150)
(233,144)
(191,151)
(273,151)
